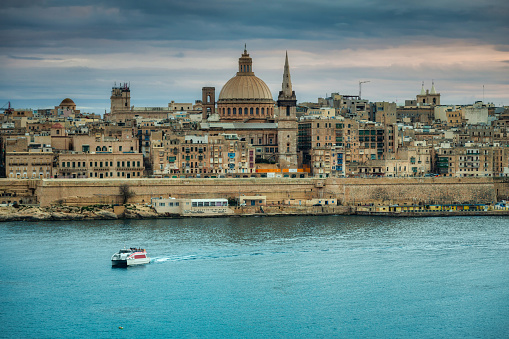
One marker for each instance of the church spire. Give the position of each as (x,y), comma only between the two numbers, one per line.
(287,80)
(287,95)
(423,92)
(433,90)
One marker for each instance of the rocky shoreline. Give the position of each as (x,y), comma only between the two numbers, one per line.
(97,212)
(141,211)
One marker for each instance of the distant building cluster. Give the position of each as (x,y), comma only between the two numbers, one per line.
(246,133)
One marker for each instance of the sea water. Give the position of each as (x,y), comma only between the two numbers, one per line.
(277,277)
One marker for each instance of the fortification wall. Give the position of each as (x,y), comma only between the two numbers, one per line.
(348,191)
(389,191)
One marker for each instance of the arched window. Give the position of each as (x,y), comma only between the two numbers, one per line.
(229,112)
(287,111)
(257,110)
(263,110)
(105,149)
(98,149)
(208,98)
(434,100)
(245,110)
(234,111)
(251,111)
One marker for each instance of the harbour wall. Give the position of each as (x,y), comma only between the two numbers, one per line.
(347,191)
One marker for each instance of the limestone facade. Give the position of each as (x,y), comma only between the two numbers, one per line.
(29,165)
(100,165)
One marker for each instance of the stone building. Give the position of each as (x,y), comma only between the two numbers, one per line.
(35,164)
(100,165)
(472,160)
(428,97)
(202,156)
(245,107)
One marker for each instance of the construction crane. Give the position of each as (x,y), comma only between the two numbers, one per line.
(360,87)
(7,110)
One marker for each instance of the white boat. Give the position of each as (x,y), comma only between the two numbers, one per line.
(130,257)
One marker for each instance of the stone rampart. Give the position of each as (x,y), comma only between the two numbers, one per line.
(348,191)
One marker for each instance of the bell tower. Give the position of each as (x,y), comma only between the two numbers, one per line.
(287,121)
(208,100)
(120,98)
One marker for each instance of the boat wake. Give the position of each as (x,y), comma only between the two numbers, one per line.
(158,260)
(162,259)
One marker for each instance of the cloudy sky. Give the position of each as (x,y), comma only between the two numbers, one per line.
(168,50)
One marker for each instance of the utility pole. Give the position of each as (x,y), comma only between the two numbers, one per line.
(360,87)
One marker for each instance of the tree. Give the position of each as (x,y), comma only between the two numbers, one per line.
(125,193)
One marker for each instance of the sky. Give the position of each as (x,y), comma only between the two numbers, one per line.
(168,50)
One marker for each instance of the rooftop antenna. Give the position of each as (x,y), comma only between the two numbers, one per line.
(360,87)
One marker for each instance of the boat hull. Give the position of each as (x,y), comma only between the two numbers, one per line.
(130,262)
(119,263)
(140,261)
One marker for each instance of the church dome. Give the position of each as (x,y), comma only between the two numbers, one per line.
(245,87)
(245,96)
(67,102)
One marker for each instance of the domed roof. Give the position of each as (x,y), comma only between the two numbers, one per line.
(247,87)
(57,126)
(67,102)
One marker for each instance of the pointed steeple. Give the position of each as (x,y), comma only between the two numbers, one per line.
(423,92)
(287,80)
(433,90)
(286,96)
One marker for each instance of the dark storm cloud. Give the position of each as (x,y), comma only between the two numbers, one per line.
(170,49)
(51,22)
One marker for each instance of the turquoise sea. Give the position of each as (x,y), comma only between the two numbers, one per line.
(276,277)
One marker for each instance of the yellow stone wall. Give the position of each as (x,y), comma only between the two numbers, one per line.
(348,191)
